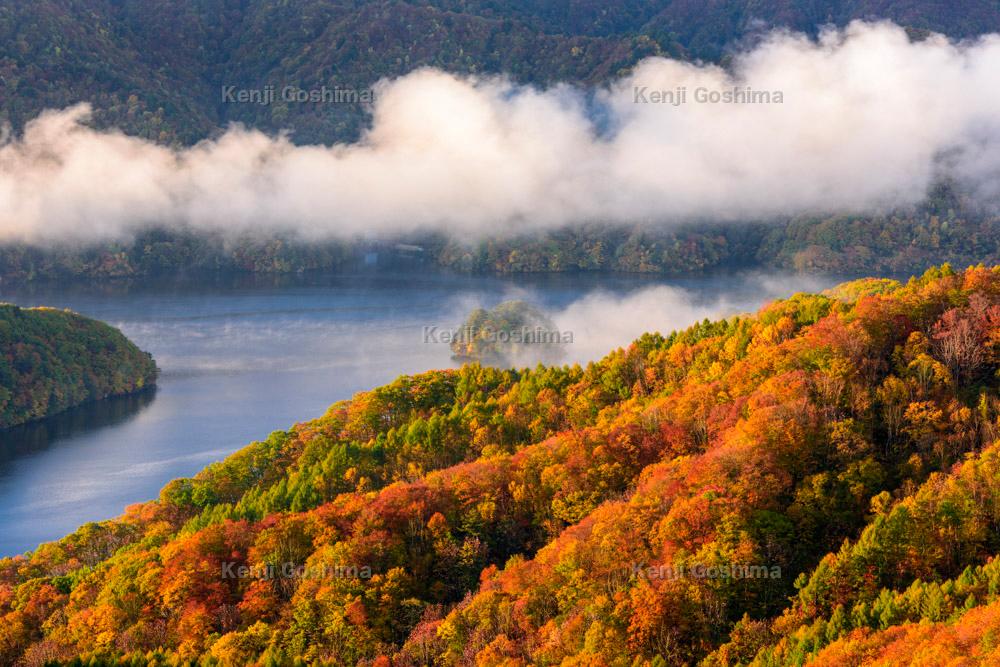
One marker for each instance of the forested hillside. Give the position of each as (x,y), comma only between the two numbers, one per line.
(805,485)
(51,360)
(903,242)
(155,69)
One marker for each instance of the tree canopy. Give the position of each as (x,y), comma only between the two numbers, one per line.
(810,484)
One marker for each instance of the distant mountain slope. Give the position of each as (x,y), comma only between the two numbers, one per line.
(156,68)
(940,230)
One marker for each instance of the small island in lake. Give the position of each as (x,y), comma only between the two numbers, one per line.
(513,333)
(52,360)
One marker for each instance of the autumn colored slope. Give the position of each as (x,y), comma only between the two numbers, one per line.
(818,481)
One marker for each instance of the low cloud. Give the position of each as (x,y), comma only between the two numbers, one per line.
(602,320)
(867,121)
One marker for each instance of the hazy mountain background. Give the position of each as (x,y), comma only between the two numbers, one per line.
(155,69)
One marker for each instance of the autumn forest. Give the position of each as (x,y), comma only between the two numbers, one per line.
(481,333)
(816,483)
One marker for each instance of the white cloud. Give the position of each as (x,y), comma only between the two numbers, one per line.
(868,120)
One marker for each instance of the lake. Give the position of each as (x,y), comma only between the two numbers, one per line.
(242,357)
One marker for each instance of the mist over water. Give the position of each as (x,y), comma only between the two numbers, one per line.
(241,361)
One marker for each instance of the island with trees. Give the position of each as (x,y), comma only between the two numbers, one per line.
(512,333)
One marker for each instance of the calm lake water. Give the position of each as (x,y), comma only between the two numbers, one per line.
(242,358)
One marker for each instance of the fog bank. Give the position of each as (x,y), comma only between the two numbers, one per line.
(860,120)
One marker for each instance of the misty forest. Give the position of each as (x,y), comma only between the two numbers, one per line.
(497,334)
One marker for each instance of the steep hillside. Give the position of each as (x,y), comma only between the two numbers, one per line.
(156,69)
(805,483)
(51,360)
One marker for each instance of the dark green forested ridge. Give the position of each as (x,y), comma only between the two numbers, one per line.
(155,69)
(51,360)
